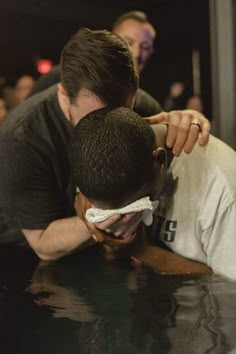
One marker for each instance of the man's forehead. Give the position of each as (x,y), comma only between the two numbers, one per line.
(133,28)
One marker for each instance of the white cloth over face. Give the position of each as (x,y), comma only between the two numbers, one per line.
(94,215)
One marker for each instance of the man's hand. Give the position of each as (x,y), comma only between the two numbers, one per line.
(119,231)
(121,227)
(185,128)
(81,204)
(115,232)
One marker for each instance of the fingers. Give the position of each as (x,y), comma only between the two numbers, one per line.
(178,130)
(120,233)
(205,133)
(158,118)
(120,225)
(195,134)
(104,225)
(192,138)
(181,134)
(204,123)
(132,227)
(126,225)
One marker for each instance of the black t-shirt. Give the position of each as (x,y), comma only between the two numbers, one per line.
(49,79)
(35,186)
(144,104)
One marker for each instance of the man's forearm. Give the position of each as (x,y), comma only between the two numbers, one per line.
(61,238)
(164,261)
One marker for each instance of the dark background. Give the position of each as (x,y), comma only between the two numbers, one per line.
(31,29)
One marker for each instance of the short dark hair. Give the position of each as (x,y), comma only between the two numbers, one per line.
(100,62)
(138,16)
(112,155)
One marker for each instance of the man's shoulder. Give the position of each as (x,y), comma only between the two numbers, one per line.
(223,157)
(208,168)
(146,105)
(33,109)
(51,78)
(216,155)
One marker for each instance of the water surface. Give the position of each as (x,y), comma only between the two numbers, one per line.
(84,304)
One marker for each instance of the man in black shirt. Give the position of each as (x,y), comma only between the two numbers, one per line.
(36,188)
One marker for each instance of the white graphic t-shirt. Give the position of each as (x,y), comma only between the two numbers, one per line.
(198,219)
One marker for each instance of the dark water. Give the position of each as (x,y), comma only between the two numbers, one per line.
(84,304)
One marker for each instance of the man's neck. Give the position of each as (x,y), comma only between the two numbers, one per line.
(63,106)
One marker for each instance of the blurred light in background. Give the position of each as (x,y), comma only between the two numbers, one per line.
(44,65)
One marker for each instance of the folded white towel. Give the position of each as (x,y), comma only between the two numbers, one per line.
(148,207)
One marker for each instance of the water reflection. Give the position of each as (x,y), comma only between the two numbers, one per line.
(50,290)
(84,304)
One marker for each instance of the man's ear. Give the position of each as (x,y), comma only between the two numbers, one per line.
(160,155)
(160,166)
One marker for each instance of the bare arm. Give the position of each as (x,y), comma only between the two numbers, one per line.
(59,239)
(164,261)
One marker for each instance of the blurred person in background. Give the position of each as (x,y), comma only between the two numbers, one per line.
(195,102)
(7,92)
(23,87)
(175,99)
(135,28)
(3,109)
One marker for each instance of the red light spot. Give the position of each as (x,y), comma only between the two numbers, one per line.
(44,66)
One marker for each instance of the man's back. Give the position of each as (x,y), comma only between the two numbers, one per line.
(34,152)
(198,220)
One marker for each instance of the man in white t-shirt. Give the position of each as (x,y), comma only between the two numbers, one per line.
(198,220)
(196,215)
